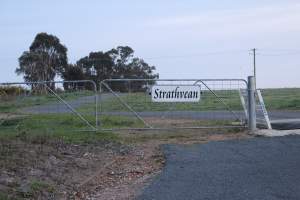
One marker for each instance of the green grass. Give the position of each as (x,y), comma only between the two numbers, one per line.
(4,196)
(109,122)
(37,187)
(40,128)
(282,99)
(14,103)
(62,126)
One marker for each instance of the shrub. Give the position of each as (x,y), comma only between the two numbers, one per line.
(12,90)
(7,92)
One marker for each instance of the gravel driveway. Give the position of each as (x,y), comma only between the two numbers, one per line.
(258,168)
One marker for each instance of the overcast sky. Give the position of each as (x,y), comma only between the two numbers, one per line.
(183,39)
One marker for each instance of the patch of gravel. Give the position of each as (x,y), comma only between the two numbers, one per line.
(126,176)
(43,169)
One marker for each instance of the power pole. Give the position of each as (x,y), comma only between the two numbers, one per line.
(254,65)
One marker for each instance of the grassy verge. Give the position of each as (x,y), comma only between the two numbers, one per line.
(71,129)
(52,126)
(63,126)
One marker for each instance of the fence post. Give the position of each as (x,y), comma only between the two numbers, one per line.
(251,104)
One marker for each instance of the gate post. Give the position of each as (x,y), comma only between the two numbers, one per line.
(251,104)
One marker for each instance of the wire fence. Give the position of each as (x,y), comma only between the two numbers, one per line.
(51,107)
(127,104)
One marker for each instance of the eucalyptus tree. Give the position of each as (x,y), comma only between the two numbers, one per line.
(45,59)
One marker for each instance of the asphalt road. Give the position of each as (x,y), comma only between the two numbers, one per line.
(252,169)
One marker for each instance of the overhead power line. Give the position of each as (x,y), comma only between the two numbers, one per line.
(262,52)
(197,54)
(279,54)
(281,50)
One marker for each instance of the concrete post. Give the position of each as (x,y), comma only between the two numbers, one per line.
(251,104)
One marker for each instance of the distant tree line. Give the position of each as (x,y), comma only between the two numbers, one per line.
(47,59)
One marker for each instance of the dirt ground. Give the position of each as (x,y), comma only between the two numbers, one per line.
(104,170)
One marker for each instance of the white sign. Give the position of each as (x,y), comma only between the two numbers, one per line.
(175,93)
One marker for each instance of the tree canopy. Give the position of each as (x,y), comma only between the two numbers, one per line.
(47,58)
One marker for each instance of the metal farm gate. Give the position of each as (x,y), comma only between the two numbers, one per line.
(129,104)
(67,106)
(48,107)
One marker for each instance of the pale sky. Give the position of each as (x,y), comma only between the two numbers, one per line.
(183,39)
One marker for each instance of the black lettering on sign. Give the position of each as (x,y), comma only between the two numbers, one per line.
(182,93)
(156,93)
